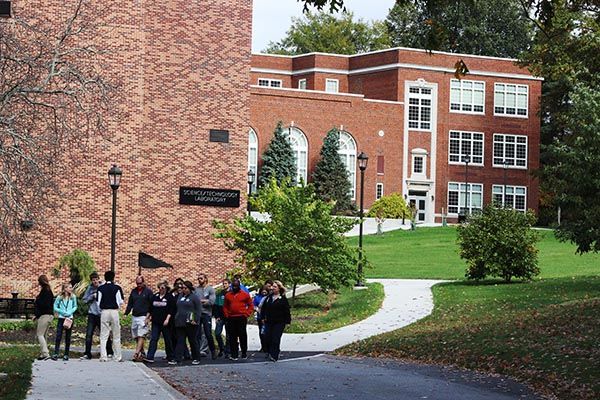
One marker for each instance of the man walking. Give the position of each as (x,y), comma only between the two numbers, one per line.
(220,318)
(90,297)
(237,308)
(139,304)
(206,294)
(110,298)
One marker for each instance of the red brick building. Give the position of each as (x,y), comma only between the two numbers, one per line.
(426,133)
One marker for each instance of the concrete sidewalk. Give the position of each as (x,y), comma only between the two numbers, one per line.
(406,301)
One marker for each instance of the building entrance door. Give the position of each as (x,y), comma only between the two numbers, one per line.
(419,200)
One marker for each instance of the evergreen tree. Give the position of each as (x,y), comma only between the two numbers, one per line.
(330,176)
(278,159)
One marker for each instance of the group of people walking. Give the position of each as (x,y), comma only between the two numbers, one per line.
(182,315)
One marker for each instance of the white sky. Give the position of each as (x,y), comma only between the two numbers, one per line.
(272,18)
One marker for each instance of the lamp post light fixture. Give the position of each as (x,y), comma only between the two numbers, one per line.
(114,180)
(363,160)
(467,160)
(505,164)
(251,177)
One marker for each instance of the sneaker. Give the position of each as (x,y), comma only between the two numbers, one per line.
(244,356)
(54,357)
(149,360)
(42,358)
(66,357)
(272,359)
(203,354)
(220,354)
(111,355)
(85,357)
(103,359)
(213,355)
(232,358)
(195,362)
(172,362)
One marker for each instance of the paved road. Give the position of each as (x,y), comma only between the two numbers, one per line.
(331,377)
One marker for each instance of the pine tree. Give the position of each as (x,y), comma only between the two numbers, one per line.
(330,176)
(278,159)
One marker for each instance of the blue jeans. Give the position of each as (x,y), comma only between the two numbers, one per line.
(157,329)
(219,325)
(59,333)
(205,328)
(93,322)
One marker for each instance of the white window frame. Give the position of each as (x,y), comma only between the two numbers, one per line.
(418,153)
(512,161)
(272,83)
(302,84)
(378,191)
(253,156)
(499,197)
(420,97)
(502,89)
(347,153)
(461,200)
(299,144)
(332,81)
(461,154)
(462,90)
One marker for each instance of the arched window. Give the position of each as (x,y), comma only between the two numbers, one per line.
(348,154)
(300,148)
(253,156)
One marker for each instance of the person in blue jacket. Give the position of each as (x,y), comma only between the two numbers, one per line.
(65,306)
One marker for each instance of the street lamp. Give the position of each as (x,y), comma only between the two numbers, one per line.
(505,163)
(114,180)
(251,176)
(467,160)
(362,165)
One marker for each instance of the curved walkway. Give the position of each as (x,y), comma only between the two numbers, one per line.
(406,301)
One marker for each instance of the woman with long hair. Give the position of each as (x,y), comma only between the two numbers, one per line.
(65,306)
(44,315)
(186,322)
(276,314)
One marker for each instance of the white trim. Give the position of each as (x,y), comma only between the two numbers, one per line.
(377,186)
(337,85)
(386,50)
(516,101)
(469,196)
(494,165)
(460,103)
(300,82)
(270,80)
(514,187)
(361,96)
(386,67)
(460,155)
(384,101)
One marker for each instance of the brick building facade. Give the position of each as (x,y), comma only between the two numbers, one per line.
(183,67)
(417,123)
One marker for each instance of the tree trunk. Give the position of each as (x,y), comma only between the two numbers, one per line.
(294,292)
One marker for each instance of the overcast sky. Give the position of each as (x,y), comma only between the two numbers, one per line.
(272,18)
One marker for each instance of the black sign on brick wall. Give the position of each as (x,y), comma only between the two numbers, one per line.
(219,135)
(4,8)
(209,197)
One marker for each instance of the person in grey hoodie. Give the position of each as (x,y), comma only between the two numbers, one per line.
(186,323)
(206,294)
(93,318)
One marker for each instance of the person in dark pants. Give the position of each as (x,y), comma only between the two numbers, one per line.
(175,293)
(186,323)
(258,301)
(220,318)
(65,306)
(206,294)
(237,307)
(93,318)
(162,310)
(276,314)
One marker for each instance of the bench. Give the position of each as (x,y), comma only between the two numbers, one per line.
(17,308)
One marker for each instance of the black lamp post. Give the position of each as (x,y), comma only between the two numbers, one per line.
(467,160)
(504,184)
(362,165)
(251,176)
(114,180)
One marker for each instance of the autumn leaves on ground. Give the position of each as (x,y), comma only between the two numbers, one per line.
(544,333)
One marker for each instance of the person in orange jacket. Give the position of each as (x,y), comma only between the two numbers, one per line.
(237,307)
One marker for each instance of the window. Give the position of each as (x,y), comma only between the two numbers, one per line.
(467,96)
(302,84)
(465,144)
(510,148)
(419,108)
(253,156)
(379,191)
(348,154)
(515,197)
(418,165)
(332,85)
(269,82)
(510,99)
(300,148)
(380,165)
(456,197)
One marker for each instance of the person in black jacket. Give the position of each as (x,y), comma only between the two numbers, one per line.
(44,314)
(276,314)
(162,311)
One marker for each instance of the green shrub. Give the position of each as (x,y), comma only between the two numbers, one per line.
(499,242)
(391,206)
(80,265)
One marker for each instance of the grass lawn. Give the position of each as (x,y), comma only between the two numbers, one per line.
(16,362)
(544,333)
(432,253)
(319,312)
